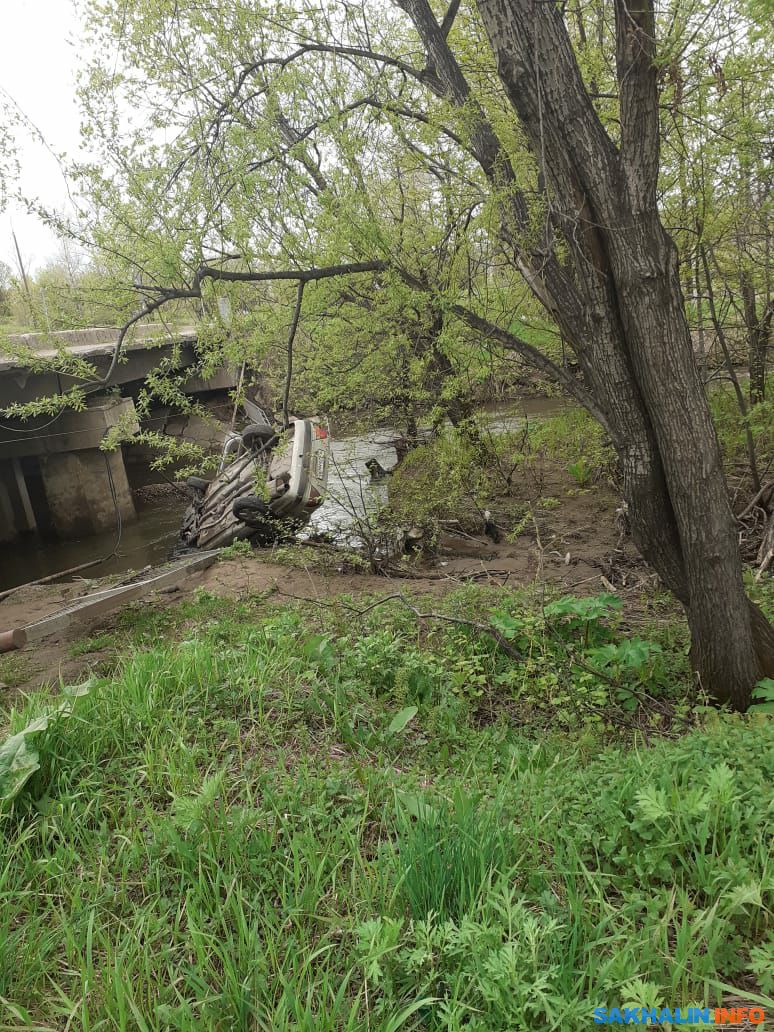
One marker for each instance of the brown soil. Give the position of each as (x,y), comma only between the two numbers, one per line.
(576,545)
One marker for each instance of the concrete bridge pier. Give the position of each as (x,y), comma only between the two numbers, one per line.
(85,492)
(53,476)
(60,482)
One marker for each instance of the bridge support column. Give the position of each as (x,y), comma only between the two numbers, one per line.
(79,495)
(16,515)
(9,526)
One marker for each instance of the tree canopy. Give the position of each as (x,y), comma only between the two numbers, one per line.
(429,175)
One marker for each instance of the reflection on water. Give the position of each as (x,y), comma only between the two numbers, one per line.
(351,497)
(145,542)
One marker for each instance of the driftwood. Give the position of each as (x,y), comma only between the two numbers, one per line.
(756,522)
(762,498)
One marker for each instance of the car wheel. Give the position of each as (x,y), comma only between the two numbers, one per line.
(251,509)
(255,514)
(258,435)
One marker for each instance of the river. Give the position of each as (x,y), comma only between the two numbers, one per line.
(149,540)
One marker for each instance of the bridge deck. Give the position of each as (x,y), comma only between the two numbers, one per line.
(96,342)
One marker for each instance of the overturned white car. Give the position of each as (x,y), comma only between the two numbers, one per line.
(268,485)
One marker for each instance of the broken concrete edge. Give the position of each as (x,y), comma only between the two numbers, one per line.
(104,602)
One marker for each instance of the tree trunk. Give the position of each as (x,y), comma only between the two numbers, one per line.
(758,332)
(633,340)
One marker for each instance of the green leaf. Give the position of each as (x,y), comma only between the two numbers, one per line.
(18,762)
(397,1021)
(401,719)
(505,624)
(764,1001)
(19,759)
(416,806)
(763,696)
(319,650)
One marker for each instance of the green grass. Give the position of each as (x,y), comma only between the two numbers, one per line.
(15,668)
(86,646)
(230,833)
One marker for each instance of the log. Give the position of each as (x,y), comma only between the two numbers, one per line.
(766,551)
(14,639)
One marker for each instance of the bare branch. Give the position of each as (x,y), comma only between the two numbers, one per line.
(420,74)
(146,310)
(448,18)
(291,338)
(300,276)
(296,275)
(507,647)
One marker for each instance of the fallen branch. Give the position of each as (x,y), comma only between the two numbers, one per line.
(488,629)
(759,495)
(766,552)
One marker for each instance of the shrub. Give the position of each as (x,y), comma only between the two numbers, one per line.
(443,480)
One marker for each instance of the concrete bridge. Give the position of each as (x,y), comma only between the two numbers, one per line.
(53,476)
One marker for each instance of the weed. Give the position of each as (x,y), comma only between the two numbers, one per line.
(440,481)
(320,559)
(95,644)
(581,472)
(239,549)
(448,853)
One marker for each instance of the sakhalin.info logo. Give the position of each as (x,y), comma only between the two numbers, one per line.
(720,1017)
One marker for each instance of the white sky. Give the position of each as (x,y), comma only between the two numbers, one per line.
(39,55)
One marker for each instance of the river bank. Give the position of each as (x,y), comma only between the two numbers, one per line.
(160,505)
(560,521)
(571,543)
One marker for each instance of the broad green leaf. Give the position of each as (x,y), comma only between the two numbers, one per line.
(19,759)
(401,719)
(416,806)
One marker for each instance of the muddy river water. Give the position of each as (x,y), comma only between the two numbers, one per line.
(150,539)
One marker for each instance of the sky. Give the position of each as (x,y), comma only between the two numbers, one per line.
(39,54)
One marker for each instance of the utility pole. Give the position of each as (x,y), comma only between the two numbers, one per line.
(23,275)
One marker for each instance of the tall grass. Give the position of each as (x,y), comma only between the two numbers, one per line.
(212,842)
(449,852)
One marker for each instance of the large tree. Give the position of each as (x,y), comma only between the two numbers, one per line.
(284,125)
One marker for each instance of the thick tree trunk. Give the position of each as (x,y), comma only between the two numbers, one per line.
(618,301)
(723,646)
(626,266)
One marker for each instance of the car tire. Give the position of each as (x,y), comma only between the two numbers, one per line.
(258,435)
(250,509)
(256,514)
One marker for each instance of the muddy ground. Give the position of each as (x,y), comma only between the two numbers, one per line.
(576,543)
